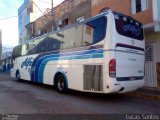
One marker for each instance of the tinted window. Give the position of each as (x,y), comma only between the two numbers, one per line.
(52,44)
(48,44)
(38,48)
(99,28)
(129,27)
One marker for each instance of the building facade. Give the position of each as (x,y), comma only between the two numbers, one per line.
(6,62)
(68,12)
(28,12)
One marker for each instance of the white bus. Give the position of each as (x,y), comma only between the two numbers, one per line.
(103,54)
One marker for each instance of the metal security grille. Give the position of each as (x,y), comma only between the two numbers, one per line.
(150,74)
(150,66)
(149,52)
(93,78)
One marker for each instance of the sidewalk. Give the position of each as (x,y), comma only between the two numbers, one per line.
(147,93)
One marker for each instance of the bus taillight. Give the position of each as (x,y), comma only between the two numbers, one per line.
(112,68)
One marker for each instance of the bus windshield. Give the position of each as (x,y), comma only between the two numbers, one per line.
(128,27)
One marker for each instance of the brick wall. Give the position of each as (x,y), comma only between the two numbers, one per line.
(145,16)
(123,6)
(69,9)
(116,5)
(72,9)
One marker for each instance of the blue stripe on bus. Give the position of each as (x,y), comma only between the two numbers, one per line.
(42,55)
(43,64)
(40,58)
(60,55)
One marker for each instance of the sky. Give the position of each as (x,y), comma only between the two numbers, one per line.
(9,27)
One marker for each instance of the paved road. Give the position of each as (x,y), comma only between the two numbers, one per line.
(20,97)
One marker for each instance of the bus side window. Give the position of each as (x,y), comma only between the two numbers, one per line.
(31,49)
(53,45)
(34,47)
(40,47)
(54,41)
(94,31)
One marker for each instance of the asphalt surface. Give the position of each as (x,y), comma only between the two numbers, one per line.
(22,97)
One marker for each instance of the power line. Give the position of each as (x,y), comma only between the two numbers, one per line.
(11,17)
(37,7)
(44,1)
(6,47)
(8,18)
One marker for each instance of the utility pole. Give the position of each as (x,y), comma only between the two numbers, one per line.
(52,15)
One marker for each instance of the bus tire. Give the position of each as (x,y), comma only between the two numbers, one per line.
(61,84)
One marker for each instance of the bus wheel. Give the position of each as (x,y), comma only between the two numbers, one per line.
(18,76)
(61,85)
